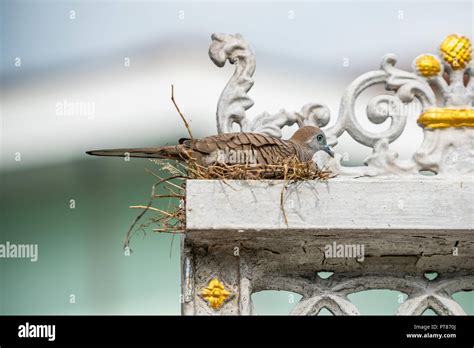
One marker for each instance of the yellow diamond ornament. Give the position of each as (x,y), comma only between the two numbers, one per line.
(215,293)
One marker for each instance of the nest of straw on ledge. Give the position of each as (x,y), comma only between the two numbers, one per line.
(290,169)
(173,219)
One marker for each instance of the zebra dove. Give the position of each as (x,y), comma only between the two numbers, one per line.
(232,148)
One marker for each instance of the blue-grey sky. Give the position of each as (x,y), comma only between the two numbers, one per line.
(55,34)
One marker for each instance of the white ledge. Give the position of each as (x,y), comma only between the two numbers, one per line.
(339,204)
(407,224)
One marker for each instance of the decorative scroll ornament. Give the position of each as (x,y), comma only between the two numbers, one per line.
(215,293)
(447,121)
(234,100)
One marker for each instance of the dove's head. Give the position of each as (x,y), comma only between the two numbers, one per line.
(314,138)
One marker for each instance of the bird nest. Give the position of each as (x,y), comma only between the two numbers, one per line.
(173,185)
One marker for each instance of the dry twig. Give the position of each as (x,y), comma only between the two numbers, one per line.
(181,114)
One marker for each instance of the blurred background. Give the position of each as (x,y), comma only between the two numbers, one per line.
(82,75)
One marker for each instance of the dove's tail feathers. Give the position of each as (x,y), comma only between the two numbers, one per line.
(164,152)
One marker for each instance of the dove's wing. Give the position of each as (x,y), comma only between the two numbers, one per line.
(268,149)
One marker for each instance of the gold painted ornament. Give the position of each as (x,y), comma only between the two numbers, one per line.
(215,293)
(427,65)
(446,117)
(456,51)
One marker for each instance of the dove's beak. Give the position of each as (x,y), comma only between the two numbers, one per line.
(328,150)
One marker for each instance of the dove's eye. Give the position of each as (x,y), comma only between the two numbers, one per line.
(320,138)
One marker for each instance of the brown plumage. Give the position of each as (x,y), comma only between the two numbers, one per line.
(235,148)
